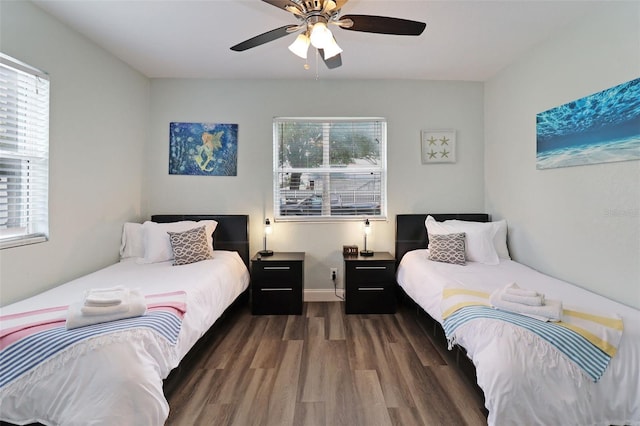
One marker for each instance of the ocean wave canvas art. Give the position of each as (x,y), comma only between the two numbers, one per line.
(600,128)
(208,149)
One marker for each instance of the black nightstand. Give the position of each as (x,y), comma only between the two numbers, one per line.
(277,283)
(370,284)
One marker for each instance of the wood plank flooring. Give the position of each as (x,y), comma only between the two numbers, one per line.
(324,368)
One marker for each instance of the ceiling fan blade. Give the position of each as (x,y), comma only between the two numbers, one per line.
(333,62)
(264,38)
(384,25)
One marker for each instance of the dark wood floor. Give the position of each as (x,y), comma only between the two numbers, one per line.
(323,368)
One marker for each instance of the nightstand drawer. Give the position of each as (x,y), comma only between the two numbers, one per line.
(370,299)
(277,284)
(370,284)
(277,300)
(273,274)
(380,272)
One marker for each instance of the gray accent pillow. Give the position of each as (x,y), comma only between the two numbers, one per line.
(190,246)
(448,248)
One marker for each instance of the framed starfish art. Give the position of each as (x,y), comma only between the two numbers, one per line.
(438,146)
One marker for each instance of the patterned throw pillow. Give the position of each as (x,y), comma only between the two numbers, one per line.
(190,246)
(447,248)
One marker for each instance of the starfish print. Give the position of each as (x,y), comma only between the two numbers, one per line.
(432,154)
(432,141)
(444,154)
(444,141)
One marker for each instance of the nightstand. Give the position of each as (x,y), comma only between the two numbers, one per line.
(370,284)
(277,283)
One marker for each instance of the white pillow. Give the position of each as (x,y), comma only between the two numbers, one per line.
(499,238)
(157,245)
(479,239)
(132,244)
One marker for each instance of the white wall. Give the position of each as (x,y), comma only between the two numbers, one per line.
(99,115)
(409,107)
(581,224)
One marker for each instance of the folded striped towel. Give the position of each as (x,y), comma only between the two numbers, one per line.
(550,311)
(589,339)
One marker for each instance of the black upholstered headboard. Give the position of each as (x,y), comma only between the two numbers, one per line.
(232,232)
(411,234)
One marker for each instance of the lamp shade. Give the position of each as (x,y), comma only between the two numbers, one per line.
(332,49)
(300,46)
(320,35)
(267,231)
(367,231)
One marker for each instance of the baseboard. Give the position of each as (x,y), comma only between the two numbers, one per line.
(323,295)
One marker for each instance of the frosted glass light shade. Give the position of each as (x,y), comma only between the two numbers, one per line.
(300,46)
(367,227)
(320,35)
(332,49)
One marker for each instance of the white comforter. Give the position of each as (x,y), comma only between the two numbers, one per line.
(525,381)
(119,381)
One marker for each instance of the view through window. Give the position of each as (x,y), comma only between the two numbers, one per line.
(24,154)
(329,168)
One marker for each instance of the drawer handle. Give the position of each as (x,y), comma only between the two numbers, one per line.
(370,288)
(277,289)
(277,268)
(371,267)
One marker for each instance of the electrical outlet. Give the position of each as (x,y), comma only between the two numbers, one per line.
(333,274)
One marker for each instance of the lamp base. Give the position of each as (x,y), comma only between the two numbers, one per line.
(366,253)
(265,252)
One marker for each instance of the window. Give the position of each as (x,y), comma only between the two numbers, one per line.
(24,154)
(329,168)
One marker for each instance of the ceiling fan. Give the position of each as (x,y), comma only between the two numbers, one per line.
(315,17)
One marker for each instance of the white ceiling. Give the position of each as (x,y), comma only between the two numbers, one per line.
(464,40)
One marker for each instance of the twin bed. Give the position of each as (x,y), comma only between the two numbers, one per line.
(115,375)
(526,379)
(113,372)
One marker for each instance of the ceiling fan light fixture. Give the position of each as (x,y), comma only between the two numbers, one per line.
(300,46)
(321,36)
(332,49)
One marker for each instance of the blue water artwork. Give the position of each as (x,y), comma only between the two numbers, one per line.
(205,149)
(600,128)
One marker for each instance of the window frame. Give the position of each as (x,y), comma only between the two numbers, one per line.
(24,154)
(379,171)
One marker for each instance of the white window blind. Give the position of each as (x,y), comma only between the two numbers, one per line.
(329,168)
(24,153)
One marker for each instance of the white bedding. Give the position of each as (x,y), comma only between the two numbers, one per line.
(118,381)
(525,381)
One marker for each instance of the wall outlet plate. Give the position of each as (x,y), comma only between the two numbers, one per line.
(333,271)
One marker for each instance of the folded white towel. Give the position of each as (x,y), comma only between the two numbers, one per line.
(105,296)
(516,290)
(106,309)
(525,300)
(136,306)
(550,311)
